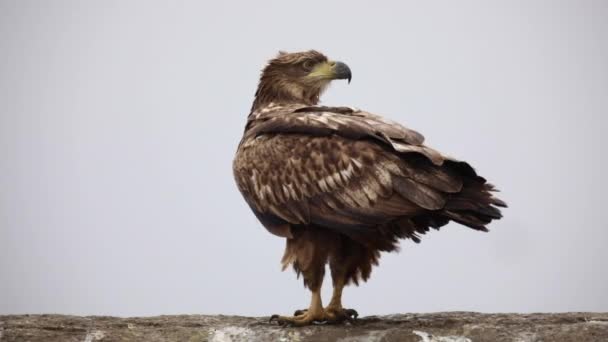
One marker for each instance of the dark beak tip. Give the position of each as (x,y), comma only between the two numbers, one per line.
(343,71)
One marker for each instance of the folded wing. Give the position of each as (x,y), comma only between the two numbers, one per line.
(356,173)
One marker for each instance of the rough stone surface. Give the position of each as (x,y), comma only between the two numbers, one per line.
(438,327)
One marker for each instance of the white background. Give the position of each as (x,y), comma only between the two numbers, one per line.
(119,121)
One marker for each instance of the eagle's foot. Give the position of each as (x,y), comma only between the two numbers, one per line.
(349,314)
(301,320)
(305,317)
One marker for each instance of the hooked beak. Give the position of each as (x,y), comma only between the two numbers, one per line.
(342,72)
(332,71)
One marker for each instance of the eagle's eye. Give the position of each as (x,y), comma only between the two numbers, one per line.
(308,65)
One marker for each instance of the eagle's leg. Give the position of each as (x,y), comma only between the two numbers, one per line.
(334,310)
(343,266)
(345,263)
(314,313)
(309,252)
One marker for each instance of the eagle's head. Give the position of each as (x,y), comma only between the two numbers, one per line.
(299,77)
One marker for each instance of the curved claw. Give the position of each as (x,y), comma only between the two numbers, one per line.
(273,317)
(300,312)
(352,313)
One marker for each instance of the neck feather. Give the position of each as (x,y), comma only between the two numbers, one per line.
(283,93)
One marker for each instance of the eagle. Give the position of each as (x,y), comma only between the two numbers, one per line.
(341,185)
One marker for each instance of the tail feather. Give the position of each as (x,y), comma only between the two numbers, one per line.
(474,206)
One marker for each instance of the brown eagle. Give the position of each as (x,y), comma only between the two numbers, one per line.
(342,185)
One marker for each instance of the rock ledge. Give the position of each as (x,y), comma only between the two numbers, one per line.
(436,327)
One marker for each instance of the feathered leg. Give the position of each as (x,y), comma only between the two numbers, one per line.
(343,267)
(307,252)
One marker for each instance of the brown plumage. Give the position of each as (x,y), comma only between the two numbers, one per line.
(340,184)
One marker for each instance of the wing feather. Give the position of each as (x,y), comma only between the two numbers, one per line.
(352,171)
(421,194)
(306,179)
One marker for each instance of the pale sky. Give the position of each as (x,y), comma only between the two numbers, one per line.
(119,121)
